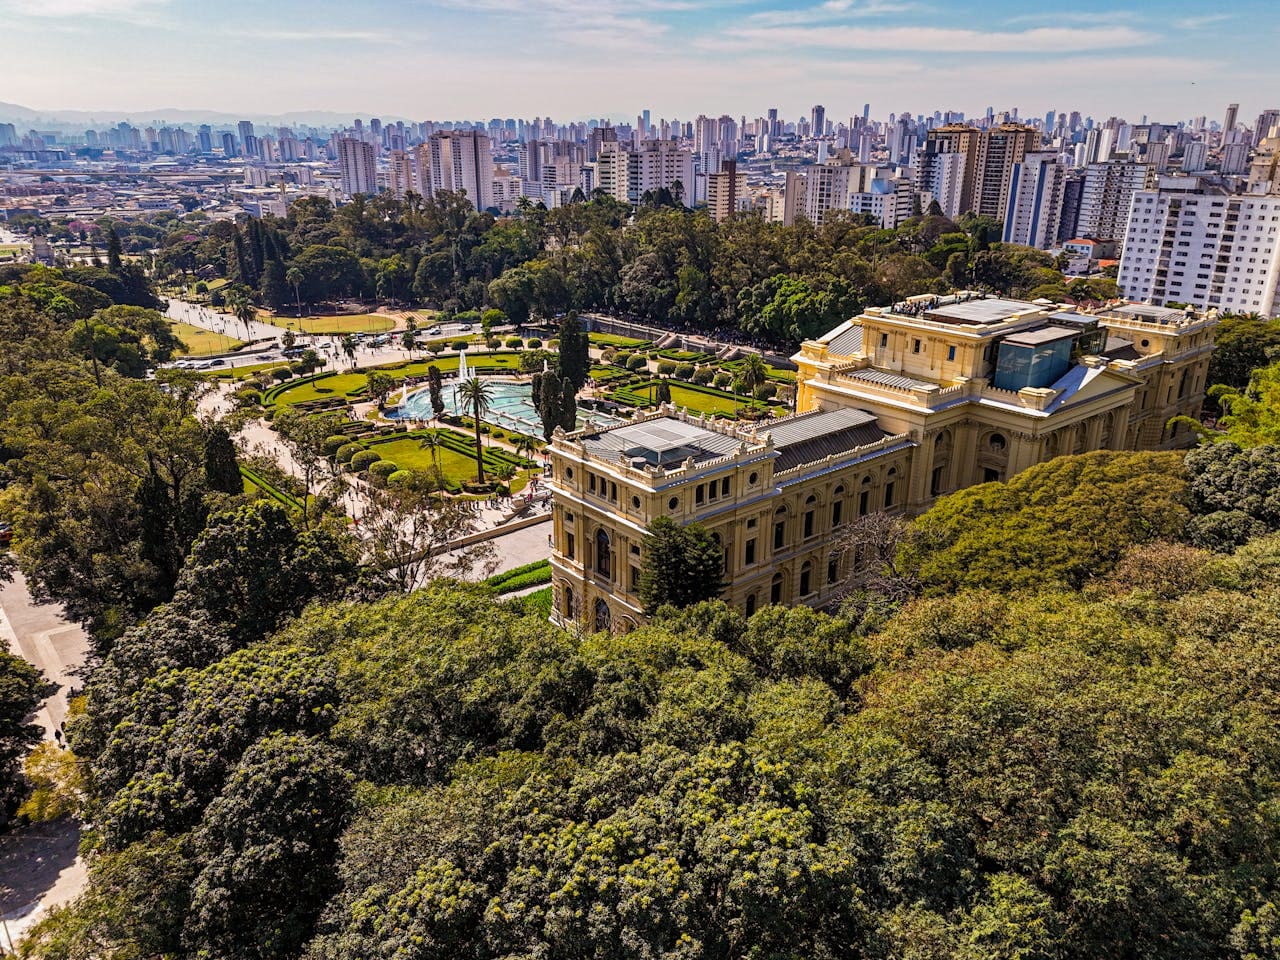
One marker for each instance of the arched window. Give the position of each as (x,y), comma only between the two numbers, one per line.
(604,619)
(779,528)
(837,506)
(809,506)
(864,497)
(751,604)
(567,610)
(806,579)
(602,552)
(775,589)
(833,568)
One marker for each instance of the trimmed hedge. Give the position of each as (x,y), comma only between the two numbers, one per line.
(333,443)
(529,575)
(534,343)
(382,469)
(637,361)
(345,452)
(684,371)
(363,460)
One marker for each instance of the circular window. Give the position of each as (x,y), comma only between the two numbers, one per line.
(753,478)
(673,503)
(997,442)
(635,503)
(568,472)
(1146,343)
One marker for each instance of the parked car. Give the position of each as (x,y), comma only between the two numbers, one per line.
(6,533)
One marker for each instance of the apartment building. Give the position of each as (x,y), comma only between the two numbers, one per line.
(628,174)
(357,167)
(1036,193)
(727,192)
(1194,242)
(1107,194)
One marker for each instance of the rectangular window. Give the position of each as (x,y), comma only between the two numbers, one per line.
(591,482)
(750,557)
(805,586)
(915,346)
(833,570)
(951,353)
(568,550)
(775,592)
(699,494)
(864,502)
(808,523)
(935,484)
(837,508)
(724,487)
(635,579)
(884,341)
(888,494)
(779,534)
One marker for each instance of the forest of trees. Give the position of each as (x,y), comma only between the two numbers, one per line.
(667,265)
(1045,725)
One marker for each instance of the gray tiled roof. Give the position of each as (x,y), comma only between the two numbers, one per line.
(890,379)
(667,441)
(847,343)
(814,436)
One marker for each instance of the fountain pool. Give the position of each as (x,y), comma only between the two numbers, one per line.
(510,407)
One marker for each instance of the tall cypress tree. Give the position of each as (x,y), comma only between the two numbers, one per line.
(114,251)
(221,469)
(435,384)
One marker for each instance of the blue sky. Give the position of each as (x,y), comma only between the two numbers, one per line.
(571,59)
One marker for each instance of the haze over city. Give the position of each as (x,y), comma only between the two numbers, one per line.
(572,59)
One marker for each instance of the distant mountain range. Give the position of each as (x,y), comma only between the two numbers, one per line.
(28,118)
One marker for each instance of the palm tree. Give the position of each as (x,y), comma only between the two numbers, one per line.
(430,440)
(349,348)
(477,396)
(245,312)
(753,372)
(294,277)
(526,447)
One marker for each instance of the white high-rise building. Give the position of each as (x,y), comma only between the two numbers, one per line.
(1035,200)
(1105,197)
(940,177)
(844,184)
(357,166)
(1200,245)
(462,160)
(1195,157)
(400,173)
(628,174)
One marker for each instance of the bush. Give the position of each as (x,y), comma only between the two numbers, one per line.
(534,343)
(333,442)
(400,478)
(610,355)
(382,470)
(300,368)
(484,429)
(554,343)
(766,391)
(637,361)
(435,346)
(281,374)
(684,371)
(513,342)
(248,397)
(666,368)
(722,379)
(459,344)
(493,343)
(703,375)
(497,434)
(363,460)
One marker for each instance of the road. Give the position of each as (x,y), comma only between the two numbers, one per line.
(39,865)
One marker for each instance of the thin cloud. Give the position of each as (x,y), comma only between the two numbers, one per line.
(320,35)
(1039,40)
(1195,23)
(830,12)
(59,9)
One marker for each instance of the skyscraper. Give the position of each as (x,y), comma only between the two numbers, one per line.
(462,160)
(1229,124)
(1035,200)
(818,120)
(358,167)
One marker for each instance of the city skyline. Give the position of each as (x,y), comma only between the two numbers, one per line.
(576,60)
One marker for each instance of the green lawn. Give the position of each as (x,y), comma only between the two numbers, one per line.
(340,384)
(355,323)
(199,342)
(410,454)
(613,340)
(241,373)
(699,402)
